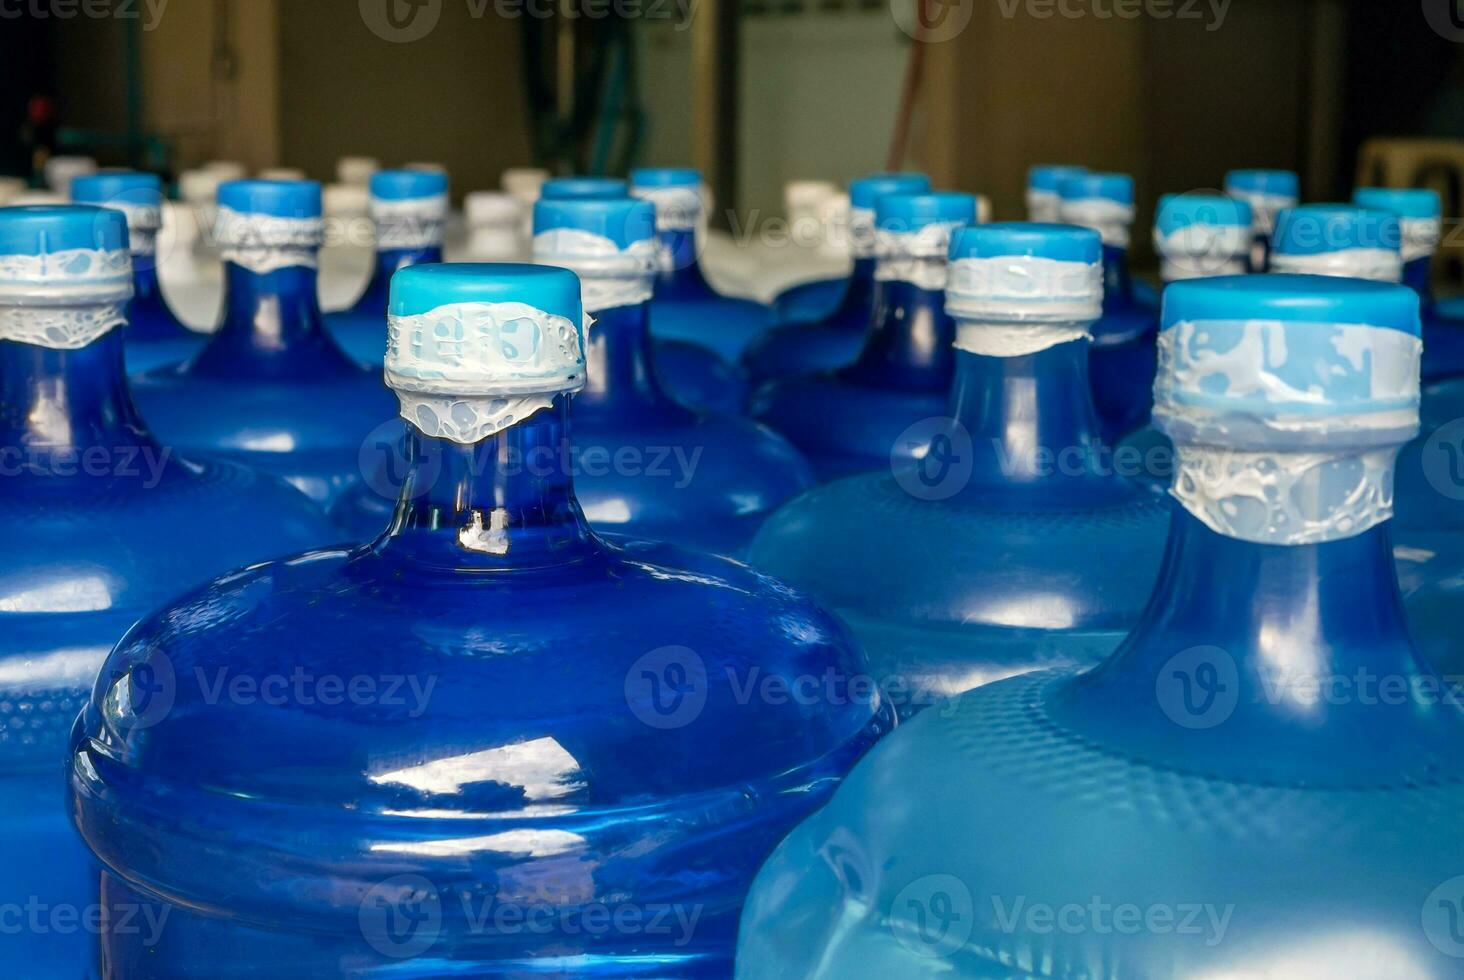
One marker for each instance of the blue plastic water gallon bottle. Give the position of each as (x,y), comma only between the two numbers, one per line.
(879,408)
(1197,236)
(488,744)
(1044,183)
(645,465)
(686,307)
(272,388)
(693,374)
(833,340)
(1268,192)
(155,335)
(103,523)
(994,553)
(1264,780)
(1122,353)
(1420,214)
(408,209)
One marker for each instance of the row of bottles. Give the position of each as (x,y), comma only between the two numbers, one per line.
(960,552)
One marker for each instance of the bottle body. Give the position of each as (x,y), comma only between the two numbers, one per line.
(826,341)
(1123,357)
(688,309)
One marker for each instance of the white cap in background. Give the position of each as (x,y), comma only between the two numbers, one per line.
(61,171)
(199,188)
(523,182)
(356,170)
(226,170)
(282,173)
(10,188)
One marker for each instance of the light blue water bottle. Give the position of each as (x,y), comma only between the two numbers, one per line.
(1262,781)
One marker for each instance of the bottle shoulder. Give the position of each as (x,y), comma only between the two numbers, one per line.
(1033,815)
(883,546)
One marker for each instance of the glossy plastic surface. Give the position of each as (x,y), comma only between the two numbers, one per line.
(1443,330)
(552,763)
(1123,358)
(807,302)
(687,308)
(1222,798)
(822,342)
(644,464)
(103,524)
(361,330)
(155,335)
(272,389)
(981,560)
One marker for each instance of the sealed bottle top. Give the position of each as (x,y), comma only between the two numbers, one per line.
(138,196)
(609,242)
(561,188)
(408,208)
(1420,213)
(1102,201)
(1022,272)
(59,254)
(1266,191)
(1338,240)
(1044,183)
(676,192)
(1200,235)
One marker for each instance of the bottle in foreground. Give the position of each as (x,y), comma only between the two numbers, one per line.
(686,307)
(1197,236)
(833,340)
(644,464)
(1222,797)
(1268,193)
(407,210)
(1420,215)
(880,408)
(994,554)
(1122,355)
(102,524)
(490,717)
(272,388)
(155,335)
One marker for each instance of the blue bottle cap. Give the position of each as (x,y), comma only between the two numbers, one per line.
(1023,272)
(1283,185)
(1317,229)
(652,177)
(1118,188)
(58,255)
(1293,299)
(911,212)
(624,221)
(1061,243)
(423,288)
(407,185)
(865,192)
(273,198)
(569,188)
(119,189)
(1409,202)
(1048,178)
(473,348)
(1180,211)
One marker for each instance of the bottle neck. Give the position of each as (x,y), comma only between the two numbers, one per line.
(1287,662)
(504,502)
(1030,418)
(619,367)
(272,324)
(69,400)
(389,261)
(680,276)
(908,344)
(1417,276)
(1117,284)
(858,300)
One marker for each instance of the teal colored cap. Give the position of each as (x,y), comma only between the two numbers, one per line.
(866,191)
(570,188)
(1063,243)
(623,220)
(275,198)
(1272,183)
(119,189)
(46,229)
(911,212)
(1118,188)
(1409,202)
(1292,299)
(649,177)
(421,289)
(407,185)
(1048,177)
(1180,211)
(1319,229)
